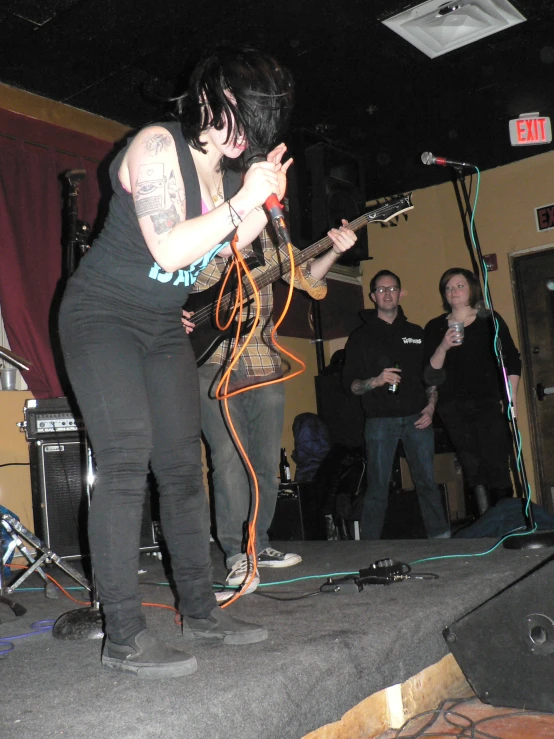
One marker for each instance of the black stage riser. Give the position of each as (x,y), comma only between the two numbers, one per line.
(505,647)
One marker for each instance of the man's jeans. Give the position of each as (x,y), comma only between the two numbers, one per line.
(258,416)
(381,439)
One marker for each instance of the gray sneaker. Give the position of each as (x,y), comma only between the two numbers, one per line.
(270,557)
(147,657)
(221,625)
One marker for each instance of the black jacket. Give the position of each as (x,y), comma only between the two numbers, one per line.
(376,345)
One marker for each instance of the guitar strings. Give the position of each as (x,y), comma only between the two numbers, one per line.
(273,273)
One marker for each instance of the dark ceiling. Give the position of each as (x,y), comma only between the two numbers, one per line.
(359,86)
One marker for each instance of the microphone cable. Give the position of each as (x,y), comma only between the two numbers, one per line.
(222,391)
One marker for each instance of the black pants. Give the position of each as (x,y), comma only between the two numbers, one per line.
(479,433)
(134,376)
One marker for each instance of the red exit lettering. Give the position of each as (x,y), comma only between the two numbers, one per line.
(545,217)
(531,130)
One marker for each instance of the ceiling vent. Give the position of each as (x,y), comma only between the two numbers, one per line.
(436,27)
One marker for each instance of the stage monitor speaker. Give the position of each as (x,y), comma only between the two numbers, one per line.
(60,497)
(505,647)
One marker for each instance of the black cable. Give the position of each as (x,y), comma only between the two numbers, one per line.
(15,464)
(435,714)
(297,597)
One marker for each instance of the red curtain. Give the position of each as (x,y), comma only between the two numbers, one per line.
(33,157)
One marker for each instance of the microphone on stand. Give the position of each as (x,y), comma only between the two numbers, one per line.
(428,158)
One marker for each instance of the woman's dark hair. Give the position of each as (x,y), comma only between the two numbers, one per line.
(383,273)
(475,294)
(241,85)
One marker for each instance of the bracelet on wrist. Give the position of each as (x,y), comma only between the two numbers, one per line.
(236,220)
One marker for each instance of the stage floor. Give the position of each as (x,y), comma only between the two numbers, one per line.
(325,653)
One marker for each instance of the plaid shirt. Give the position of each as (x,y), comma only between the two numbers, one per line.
(260,358)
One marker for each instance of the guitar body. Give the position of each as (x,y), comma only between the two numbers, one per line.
(206,336)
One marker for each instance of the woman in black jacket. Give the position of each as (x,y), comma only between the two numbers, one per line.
(471,396)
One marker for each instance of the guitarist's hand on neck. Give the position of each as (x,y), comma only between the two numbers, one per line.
(343,239)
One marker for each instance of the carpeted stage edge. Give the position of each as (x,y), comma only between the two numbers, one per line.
(325,654)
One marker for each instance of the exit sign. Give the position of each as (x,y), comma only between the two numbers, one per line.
(530,129)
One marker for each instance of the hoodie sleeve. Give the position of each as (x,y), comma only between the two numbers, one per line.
(353,368)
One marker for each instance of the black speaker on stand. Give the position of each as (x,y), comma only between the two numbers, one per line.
(336,191)
(505,647)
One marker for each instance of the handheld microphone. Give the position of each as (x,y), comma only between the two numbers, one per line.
(272,205)
(428,158)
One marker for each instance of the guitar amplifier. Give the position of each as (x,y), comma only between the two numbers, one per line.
(49,419)
(62,476)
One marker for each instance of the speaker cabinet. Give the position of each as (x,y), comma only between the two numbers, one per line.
(61,501)
(296,515)
(337,191)
(59,493)
(505,647)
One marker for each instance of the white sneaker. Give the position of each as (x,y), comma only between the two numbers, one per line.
(273,558)
(239,574)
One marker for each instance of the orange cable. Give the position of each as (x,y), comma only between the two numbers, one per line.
(239,265)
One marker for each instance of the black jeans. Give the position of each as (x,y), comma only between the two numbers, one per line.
(134,376)
(480,435)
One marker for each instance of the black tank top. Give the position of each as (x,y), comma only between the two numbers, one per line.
(119,259)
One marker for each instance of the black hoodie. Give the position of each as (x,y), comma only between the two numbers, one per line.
(377,345)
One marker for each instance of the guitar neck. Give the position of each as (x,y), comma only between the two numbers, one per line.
(278,271)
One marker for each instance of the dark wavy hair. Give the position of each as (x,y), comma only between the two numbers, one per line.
(475,295)
(383,273)
(242,87)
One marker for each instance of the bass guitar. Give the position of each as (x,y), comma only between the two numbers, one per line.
(206,337)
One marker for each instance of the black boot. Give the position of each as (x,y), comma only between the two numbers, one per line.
(480,496)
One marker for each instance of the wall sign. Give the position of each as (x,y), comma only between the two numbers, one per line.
(530,129)
(545,217)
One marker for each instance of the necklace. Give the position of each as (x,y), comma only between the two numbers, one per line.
(218,188)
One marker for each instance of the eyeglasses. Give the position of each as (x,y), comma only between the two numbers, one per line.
(389,289)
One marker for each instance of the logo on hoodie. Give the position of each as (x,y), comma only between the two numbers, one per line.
(408,340)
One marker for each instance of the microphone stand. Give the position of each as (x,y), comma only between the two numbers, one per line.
(531,539)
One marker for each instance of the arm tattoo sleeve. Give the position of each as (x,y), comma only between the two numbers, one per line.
(360,387)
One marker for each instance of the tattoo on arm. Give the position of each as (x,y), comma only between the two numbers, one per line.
(432,395)
(157,143)
(150,192)
(176,194)
(360,387)
(165,220)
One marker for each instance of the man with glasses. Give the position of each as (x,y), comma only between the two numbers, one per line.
(384,366)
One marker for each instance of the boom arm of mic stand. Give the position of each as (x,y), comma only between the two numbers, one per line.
(19,362)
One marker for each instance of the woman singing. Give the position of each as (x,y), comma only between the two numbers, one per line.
(175,204)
